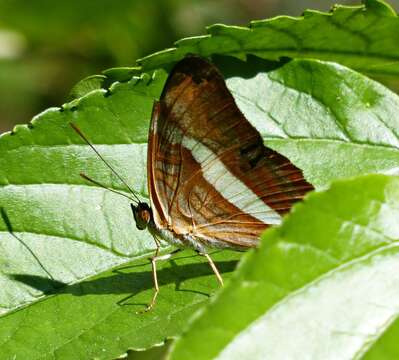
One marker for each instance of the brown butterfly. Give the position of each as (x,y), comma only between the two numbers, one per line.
(212,182)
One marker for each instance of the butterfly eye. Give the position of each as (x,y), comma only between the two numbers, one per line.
(142,215)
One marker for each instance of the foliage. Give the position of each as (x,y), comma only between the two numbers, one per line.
(74,246)
(305,291)
(344,35)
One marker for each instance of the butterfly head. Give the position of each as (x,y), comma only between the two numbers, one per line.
(142,215)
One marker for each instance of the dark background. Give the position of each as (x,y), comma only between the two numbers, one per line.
(46,46)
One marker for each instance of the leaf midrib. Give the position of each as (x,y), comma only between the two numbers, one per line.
(358,144)
(265,137)
(45,146)
(83,185)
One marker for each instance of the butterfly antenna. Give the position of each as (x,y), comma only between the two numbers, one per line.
(84,176)
(77,130)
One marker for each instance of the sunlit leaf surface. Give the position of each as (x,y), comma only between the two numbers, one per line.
(324,285)
(61,238)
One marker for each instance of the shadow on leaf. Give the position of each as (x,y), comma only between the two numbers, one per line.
(127,282)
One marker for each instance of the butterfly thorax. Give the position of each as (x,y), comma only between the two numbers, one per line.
(144,220)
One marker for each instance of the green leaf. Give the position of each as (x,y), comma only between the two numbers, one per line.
(329,120)
(324,284)
(386,347)
(74,229)
(57,232)
(361,37)
(97,318)
(86,85)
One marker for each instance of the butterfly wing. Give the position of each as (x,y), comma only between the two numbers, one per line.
(210,174)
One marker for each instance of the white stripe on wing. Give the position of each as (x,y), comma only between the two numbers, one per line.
(228,185)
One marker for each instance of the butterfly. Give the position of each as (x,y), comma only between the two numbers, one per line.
(212,182)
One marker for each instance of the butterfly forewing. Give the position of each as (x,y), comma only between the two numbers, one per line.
(210,175)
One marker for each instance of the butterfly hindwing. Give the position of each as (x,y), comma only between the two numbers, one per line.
(210,174)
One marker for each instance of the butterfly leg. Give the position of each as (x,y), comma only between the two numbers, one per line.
(154,260)
(213,266)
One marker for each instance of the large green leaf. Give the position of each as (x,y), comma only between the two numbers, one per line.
(57,232)
(330,121)
(97,318)
(361,37)
(74,229)
(324,285)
